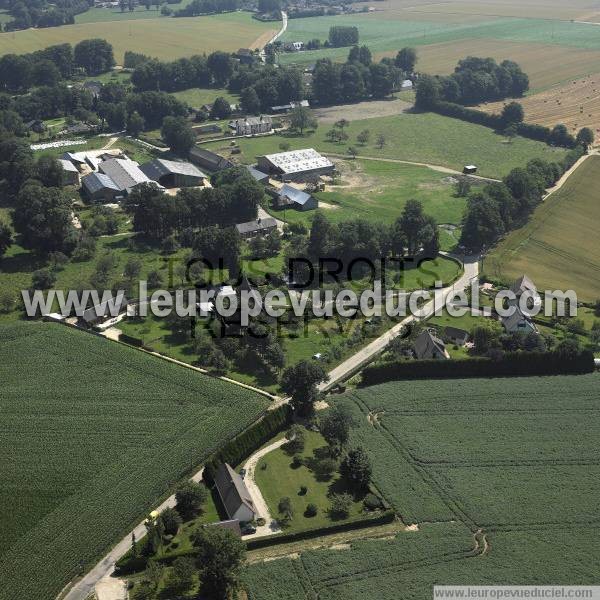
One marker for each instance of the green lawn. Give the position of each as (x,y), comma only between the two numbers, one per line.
(96,433)
(416,137)
(277,478)
(378,191)
(196,97)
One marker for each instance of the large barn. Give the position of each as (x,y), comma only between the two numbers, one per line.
(296,165)
(99,187)
(126,174)
(173,174)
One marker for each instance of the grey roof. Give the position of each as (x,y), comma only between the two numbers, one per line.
(95,182)
(523,284)
(215,161)
(102,310)
(232,489)
(159,167)
(428,343)
(294,195)
(232,525)
(251,121)
(511,322)
(125,173)
(257,225)
(456,333)
(297,161)
(67,165)
(258,175)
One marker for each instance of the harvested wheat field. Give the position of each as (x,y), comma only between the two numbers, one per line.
(576,104)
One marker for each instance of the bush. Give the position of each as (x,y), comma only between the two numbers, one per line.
(171,521)
(372,502)
(303,490)
(340,505)
(311,511)
(297,462)
(260,522)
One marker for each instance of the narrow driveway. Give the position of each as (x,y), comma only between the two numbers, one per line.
(284,24)
(271,526)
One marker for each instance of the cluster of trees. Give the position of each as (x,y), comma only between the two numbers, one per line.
(413,233)
(20,72)
(359,77)
(475,80)
(500,207)
(234,199)
(181,74)
(261,87)
(39,13)
(341,35)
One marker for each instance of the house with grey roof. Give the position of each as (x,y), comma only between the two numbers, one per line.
(234,494)
(457,336)
(428,345)
(125,173)
(518,322)
(257,227)
(252,125)
(99,187)
(174,174)
(70,172)
(295,198)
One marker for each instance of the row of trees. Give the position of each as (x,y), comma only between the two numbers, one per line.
(39,13)
(207,7)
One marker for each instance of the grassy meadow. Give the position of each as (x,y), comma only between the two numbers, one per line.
(416,137)
(498,477)
(95,433)
(558,247)
(163,38)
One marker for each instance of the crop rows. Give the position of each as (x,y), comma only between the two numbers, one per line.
(93,433)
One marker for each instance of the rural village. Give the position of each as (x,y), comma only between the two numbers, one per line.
(242,147)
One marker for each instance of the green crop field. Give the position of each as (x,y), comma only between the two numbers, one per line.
(500,476)
(418,137)
(94,433)
(558,247)
(164,38)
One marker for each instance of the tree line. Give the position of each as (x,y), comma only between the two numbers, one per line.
(500,207)
(39,13)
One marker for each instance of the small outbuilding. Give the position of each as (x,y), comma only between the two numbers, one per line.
(457,336)
(205,159)
(99,187)
(174,174)
(70,172)
(258,175)
(470,169)
(295,198)
(234,494)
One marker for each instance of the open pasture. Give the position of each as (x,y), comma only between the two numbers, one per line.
(558,247)
(94,434)
(416,137)
(163,38)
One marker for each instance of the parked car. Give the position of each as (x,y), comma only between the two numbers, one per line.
(248,529)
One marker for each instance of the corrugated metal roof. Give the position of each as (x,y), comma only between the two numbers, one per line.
(67,165)
(297,161)
(95,182)
(125,173)
(294,195)
(258,175)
